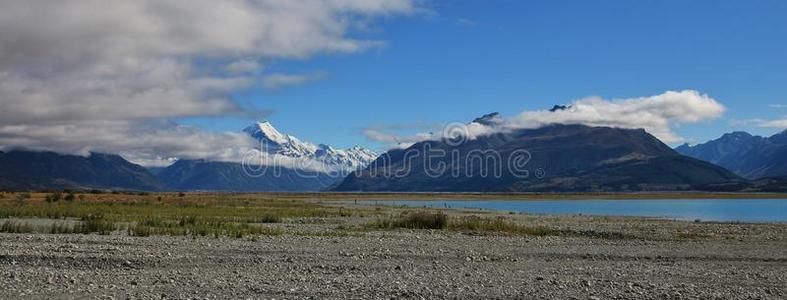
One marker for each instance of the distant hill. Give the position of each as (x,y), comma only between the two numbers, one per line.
(563,158)
(744,154)
(225,176)
(27,170)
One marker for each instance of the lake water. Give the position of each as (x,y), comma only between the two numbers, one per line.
(743,210)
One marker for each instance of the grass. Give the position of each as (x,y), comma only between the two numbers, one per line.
(16,227)
(95,224)
(691,235)
(194,226)
(414,220)
(140,214)
(438,220)
(477,224)
(500,225)
(249,215)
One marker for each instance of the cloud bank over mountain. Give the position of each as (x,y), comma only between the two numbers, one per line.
(659,115)
(111,76)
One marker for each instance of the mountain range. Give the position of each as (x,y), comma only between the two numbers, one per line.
(747,155)
(559,158)
(22,170)
(553,158)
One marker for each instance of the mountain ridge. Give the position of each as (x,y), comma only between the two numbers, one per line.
(747,155)
(37,170)
(570,158)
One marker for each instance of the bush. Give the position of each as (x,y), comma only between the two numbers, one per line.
(187,220)
(70,197)
(270,218)
(53,197)
(95,224)
(417,220)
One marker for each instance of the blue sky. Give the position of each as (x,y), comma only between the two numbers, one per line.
(156,80)
(462,59)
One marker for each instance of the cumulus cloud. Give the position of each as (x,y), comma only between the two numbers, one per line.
(658,115)
(94,75)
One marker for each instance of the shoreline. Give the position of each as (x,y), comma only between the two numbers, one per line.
(371,196)
(220,246)
(704,260)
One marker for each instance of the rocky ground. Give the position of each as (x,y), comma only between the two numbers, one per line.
(654,261)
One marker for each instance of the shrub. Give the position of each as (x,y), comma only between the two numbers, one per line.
(416,220)
(69,197)
(270,218)
(95,223)
(187,220)
(53,197)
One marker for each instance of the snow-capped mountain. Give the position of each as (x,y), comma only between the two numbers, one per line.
(274,142)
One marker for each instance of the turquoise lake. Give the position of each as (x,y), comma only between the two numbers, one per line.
(724,210)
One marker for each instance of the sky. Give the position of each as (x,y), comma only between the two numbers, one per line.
(463,59)
(159,79)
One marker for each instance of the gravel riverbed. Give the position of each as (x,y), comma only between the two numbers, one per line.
(726,261)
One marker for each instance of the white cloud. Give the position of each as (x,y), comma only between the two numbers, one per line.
(778,123)
(658,115)
(781,124)
(400,135)
(275,81)
(780,106)
(79,75)
(244,65)
(391,138)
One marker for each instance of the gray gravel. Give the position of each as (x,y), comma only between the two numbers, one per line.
(389,264)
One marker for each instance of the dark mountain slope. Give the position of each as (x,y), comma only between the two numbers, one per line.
(561,158)
(26,170)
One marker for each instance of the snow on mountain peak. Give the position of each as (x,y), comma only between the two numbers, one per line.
(274,142)
(265,130)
